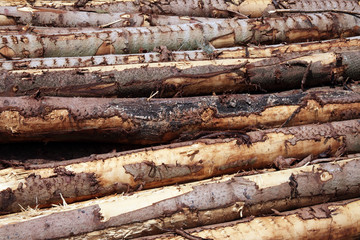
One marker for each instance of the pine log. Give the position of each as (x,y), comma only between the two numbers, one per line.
(164,55)
(336,220)
(100,175)
(186,78)
(149,121)
(62,18)
(191,205)
(228,33)
(203,8)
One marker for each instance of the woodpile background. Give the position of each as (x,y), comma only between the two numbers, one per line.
(179,119)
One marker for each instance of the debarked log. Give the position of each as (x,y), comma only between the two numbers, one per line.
(228,33)
(162,54)
(62,18)
(191,205)
(186,78)
(212,8)
(335,220)
(149,121)
(99,175)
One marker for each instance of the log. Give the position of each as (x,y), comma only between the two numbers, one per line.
(62,18)
(100,175)
(195,204)
(336,220)
(164,55)
(204,8)
(306,27)
(150,121)
(186,78)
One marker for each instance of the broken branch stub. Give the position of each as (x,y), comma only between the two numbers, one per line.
(228,33)
(143,121)
(191,205)
(105,174)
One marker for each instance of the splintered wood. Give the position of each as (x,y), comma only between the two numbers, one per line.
(169,119)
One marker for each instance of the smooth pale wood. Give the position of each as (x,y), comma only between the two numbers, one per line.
(196,204)
(105,174)
(336,220)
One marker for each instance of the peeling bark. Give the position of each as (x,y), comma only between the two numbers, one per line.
(336,220)
(99,175)
(294,50)
(185,78)
(228,33)
(218,8)
(196,204)
(142,121)
(62,18)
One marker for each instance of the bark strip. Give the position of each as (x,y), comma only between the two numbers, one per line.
(142,121)
(191,205)
(164,55)
(212,8)
(185,78)
(62,18)
(100,175)
(336,220)
(307,27)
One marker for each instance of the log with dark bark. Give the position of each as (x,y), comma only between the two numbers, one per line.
(191,205)
(99,175)
(335,220)
(62,18)
(218,8)
(228,33)
(162,54)
(186,78)
(149,121)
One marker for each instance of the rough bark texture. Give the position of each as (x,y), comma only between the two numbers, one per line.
(337,220)
(164,55)
(158,166)
(196,204)
(62,18)
(186,78)
(228,33)
(142,121)
(218,8)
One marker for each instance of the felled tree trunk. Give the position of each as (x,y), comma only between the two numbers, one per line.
(184,36)
(158,166)
(143,121)
(62,18)
(196,204)
(186,78)
(336,220)
(164,55)
(218,8)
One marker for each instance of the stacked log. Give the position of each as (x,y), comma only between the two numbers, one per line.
(217,119)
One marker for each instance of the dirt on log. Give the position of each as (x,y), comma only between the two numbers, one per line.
(191,205)
(149,121)
(99,175)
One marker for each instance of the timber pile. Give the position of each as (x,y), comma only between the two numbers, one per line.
(168,119)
